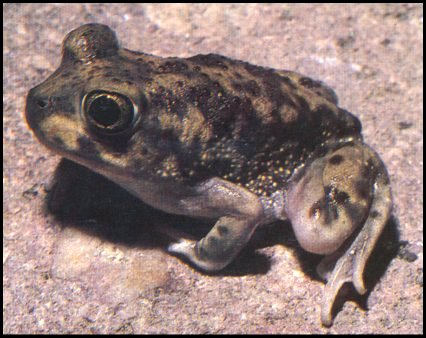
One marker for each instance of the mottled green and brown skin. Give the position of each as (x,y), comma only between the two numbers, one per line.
(209,136)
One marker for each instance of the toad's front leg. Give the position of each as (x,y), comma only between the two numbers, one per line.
(239,212)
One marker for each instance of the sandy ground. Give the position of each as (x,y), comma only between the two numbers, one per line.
(106,270)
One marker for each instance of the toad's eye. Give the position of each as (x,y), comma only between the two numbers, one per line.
(109,113)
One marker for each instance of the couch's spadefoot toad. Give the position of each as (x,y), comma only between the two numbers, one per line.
(208,136)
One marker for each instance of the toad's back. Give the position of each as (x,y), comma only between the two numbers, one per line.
(209,115)
(247,124)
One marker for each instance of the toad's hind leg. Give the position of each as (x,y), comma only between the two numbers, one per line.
(351,259)
(239,212)
(343,193)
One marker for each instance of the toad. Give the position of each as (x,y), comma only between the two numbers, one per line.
(212,137)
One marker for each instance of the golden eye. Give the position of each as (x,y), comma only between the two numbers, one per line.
(109,113)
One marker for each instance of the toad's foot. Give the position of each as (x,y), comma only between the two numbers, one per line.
(219,247)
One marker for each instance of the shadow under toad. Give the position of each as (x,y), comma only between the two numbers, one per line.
(95,205)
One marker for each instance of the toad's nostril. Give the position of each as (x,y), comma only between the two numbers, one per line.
(42,103)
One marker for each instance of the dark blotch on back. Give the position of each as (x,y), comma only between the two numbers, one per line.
(210,60)
(173,67)
(308,82)
(229,115)
(336,159)
(250,87)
